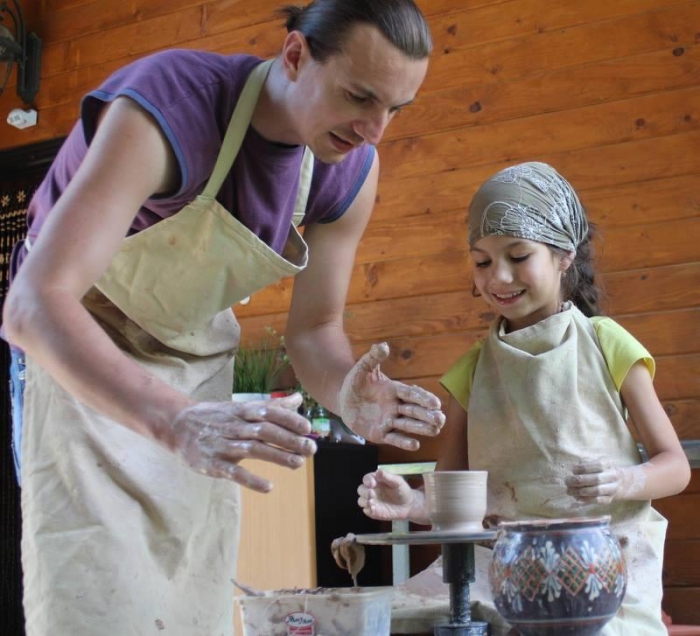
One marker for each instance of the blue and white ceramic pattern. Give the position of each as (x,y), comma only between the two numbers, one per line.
(557,576)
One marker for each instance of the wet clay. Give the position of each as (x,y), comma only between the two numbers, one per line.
(349,555)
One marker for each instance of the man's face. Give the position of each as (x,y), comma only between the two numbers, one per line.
(350,98)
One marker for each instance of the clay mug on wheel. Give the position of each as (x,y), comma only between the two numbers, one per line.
(456,499)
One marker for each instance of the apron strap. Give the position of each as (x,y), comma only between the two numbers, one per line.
(307,170)
(237,128)
(233,139)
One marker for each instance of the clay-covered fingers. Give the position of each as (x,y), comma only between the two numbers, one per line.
(213,437)
(226,455)
(235,472)
(368,502)
(397,431)
(365,492)
(385,496)
(419,412)
(291,456)
(270,433)
(374,357)
(370,480)
(387,479)
(273,411)
(401,441)
(590,474)
(290,402)
(590,466)
(601,494)
(414,424)
(593,481)
(415,395)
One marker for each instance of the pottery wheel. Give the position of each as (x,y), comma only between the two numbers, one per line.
(425,537)
(458,571)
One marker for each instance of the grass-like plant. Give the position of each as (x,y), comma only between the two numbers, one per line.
(259,365)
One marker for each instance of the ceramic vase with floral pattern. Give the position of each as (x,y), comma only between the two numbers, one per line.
(557,576)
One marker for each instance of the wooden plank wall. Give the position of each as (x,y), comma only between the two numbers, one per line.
(605,91)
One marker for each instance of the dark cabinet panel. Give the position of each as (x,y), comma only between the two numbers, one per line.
(338,471)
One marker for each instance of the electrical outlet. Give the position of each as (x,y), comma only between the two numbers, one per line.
(22,118)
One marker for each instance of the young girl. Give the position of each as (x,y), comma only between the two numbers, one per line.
(542,403)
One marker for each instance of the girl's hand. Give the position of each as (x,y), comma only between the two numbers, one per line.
(214,437)
(600,481)
(384,411)
(386,496)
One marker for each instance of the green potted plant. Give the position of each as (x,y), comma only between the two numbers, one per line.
(258,367)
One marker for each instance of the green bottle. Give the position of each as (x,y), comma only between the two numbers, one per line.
(320,422)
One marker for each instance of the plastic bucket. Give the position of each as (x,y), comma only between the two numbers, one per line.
(364,611)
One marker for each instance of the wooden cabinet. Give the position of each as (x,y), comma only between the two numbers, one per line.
(277,530)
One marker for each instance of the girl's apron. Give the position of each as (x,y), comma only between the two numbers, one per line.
(542,400)
(120,537)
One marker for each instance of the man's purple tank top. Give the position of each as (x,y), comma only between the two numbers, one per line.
(192,95)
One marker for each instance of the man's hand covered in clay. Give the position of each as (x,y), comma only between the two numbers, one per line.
(600,481)
(213,437)
(386,496)
(384,411)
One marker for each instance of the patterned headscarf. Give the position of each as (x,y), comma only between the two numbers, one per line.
(530,201)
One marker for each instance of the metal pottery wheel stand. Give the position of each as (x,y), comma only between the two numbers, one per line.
(458,571)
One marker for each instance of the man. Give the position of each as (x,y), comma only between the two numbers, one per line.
(200,161)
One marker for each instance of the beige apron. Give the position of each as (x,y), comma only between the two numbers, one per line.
(529,434)
(120,538)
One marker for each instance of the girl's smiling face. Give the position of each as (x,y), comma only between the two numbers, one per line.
(520,279)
